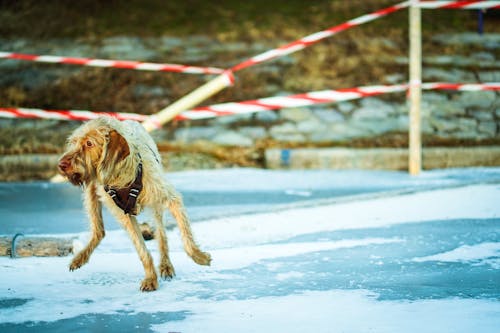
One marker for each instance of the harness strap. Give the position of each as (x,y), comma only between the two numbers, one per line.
(126,198)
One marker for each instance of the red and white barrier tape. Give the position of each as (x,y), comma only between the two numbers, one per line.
(268,55)
(279,102)
(316,37)
(468,4)
(126,64)
(493,86)
(258,105)
(65,114)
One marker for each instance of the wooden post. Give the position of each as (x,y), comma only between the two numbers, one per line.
(193,98)
(415,92)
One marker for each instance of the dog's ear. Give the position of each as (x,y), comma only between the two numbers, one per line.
(115,151)
(117,148)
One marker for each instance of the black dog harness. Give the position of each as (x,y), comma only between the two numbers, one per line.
(126,197)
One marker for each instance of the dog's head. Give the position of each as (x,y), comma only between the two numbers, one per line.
(95,151)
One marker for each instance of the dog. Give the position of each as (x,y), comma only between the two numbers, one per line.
(118,164)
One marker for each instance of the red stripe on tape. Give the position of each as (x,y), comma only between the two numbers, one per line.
(75,61)
(460,4)
(19,56)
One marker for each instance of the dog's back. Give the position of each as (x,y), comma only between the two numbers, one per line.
(140,137)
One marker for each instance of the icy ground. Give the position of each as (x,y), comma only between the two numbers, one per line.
(426,260)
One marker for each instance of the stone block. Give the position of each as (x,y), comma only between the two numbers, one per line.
(489,76)
(444,109)
(232,138)
(338,132)
(296,114)
(467,125)
(253,132)
(372,108)
(286,132)
(310,126)
(477,99)
(329,115)
(488,128)
(483,115)
(267,116)
(431,74)
(190,134)
(378,126)
(345,107)
(232,119)
(442,125)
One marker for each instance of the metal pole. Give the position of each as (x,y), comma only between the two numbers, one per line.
(415,93)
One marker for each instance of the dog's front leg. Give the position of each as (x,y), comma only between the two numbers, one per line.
(129,223)
(94,212)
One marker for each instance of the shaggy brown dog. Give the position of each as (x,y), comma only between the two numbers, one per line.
(118,164)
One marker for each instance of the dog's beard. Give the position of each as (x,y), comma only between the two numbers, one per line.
(75,179)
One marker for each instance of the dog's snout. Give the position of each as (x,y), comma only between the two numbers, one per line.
(63,164)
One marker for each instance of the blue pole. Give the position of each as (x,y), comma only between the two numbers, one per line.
(480,22)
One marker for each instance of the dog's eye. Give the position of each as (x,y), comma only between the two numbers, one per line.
(89,143)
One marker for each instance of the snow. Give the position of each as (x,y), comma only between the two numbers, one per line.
(484,253)
(339,311)
(426,206)
(418,262)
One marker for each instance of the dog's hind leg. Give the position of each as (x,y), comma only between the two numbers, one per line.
(166,269)
(94,212)
(176,207)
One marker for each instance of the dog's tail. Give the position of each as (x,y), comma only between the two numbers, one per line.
(177,210)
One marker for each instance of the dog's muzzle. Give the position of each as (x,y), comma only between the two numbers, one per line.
(64,167)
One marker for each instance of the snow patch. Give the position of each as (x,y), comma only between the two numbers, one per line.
(338,311)
(479,201)
(289,275)
(484,253)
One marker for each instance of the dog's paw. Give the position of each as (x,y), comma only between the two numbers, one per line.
(166,270)
(149,284)
(201,258)
(77,262)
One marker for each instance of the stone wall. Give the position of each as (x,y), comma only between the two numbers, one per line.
(453,115)
(447,115)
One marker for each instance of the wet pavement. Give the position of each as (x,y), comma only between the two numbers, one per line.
(47,208)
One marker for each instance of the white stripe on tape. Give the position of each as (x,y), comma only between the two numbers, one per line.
(267,55)
(382,89)
(285,101)
(236,107)
(84,113)
(316,36)
(363,19)
(7,114)
(198,114)
(49,58)
(147,66)
(481,5)
(193,70)
(101,63)
(334,95)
